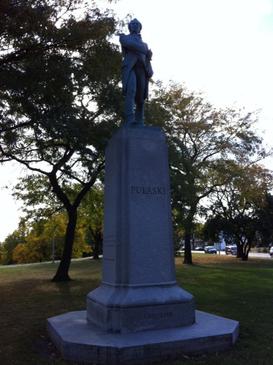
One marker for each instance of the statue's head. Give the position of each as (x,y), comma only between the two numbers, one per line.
(134,26)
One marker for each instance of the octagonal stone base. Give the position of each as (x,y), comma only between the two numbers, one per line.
(78,340)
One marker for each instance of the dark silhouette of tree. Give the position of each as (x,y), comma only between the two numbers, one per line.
(60,99)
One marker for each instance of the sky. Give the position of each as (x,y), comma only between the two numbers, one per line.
(221,48)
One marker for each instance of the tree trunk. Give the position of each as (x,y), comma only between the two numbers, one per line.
(62,271)
(97,248)
(187,252)
(244,257)
(239,251)
(188,235)
(245,251)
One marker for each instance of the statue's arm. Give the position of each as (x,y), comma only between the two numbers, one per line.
(132,44)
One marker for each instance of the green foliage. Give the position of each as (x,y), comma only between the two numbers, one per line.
(203,143)
(57,74)
(45,229)
(91,218)
(37,197)
(10,243)
(237,208)
(264,215)
(60,98)
(45,236)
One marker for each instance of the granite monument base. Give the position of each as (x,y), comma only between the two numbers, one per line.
(133,309)
(139,289)
(78,340)
(138,314)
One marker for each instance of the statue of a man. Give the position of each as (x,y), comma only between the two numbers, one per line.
(136,72)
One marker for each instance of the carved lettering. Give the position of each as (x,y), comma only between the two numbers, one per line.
(148,190)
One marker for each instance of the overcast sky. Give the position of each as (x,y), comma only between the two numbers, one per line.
(223,48)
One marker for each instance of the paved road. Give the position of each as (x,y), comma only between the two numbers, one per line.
(56,262)
(260,255)
(251,254)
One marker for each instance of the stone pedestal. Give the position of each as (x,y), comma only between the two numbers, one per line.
(138,305)
(138,290)
(84,343)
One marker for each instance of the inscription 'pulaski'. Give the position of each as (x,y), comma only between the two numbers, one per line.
(152,190)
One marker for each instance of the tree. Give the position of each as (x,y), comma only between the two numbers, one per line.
(91,217)
(202,142)
(11,241)
(60,98)
(213,228)
(235,205)
(40,205)
(45,241)
(264,215)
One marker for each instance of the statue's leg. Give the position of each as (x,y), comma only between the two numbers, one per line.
(140,90)
(130,98)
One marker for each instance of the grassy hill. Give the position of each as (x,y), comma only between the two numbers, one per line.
(221,285)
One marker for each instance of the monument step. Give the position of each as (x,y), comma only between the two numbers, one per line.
(77,340)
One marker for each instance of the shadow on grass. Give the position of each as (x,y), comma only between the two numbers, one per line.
(241,291)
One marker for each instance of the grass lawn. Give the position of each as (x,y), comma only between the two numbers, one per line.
(221,285)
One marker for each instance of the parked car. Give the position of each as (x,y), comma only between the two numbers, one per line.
(231,250)
(271,251)
(210,249)
(198,248)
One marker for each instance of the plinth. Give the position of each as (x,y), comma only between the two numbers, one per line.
(138,305)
